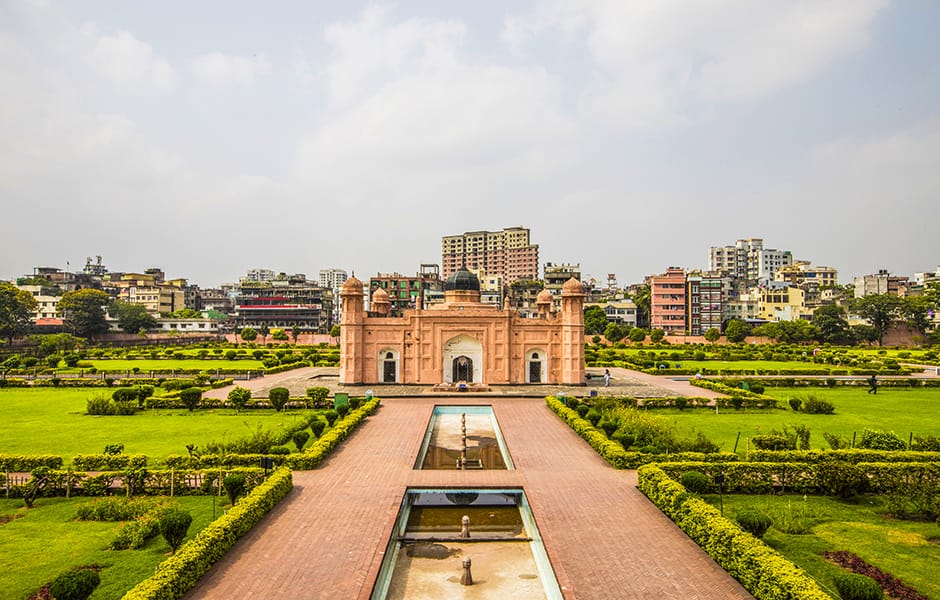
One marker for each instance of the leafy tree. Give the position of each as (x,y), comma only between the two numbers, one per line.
(863,333)
(39,479)
(657,335)
(131,317)
(16,311)
(279,335)
(879,310)
(637,335)
(317,395)
(234,485)
(335,331)
(264,330)
(917,311)
(736,330)
(712,335)
(185,313)
(191,397)
(613,332)
(174,523)
(831,324)
(300,438)
(642,300)
(239,397)
(83,312)
(248,334)
(595,320)
(55,342)
(787,331)
(294,333)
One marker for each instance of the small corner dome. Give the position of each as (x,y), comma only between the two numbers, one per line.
(544,297)
(352,286)
(462,280)
(572,286)
(380,295)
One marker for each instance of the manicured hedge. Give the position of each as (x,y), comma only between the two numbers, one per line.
(24,463)
(183,461)
(313,455)
(614,453)
(178,574)
(761,570)
(848,455)
(108,462)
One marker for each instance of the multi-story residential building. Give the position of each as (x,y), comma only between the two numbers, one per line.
(408,292)
(218,300)
(148,289)
(333,278)
(555,277)
(622,312)
(801,272)
(668,300)
(258,275)
(704,302)
(523,295)
(780,301)
(748,261)
(46,297)
(284,302)
(881,282)
(508,253)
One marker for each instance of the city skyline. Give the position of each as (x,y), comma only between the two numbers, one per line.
(210,139)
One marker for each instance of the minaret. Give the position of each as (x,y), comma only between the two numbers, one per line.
(351,343)
(572,332)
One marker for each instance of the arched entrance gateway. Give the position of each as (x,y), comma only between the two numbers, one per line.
(461,340)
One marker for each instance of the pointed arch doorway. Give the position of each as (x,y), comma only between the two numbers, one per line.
(462,360)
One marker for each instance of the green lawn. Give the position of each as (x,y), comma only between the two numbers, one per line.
(902,410)
(908,550)
(41,543)
(148,364)
(53,421)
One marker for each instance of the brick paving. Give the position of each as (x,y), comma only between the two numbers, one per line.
(328,537)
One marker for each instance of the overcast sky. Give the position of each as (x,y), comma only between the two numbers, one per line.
(208,138)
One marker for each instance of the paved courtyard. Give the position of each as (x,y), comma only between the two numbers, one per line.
(604,539)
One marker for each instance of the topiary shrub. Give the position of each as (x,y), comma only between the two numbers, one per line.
(234,485)
(317,426)
(279,450)
(190,397)
(874,439)
(852,586)
(754,522)
(342,410)
(278,397)
(300,438)
(795,404)
(174,524)
(624,438)
(817,406)
(317,395)
(239,397)
(607,426)
(331,416)
(355,403)
(840,478)
(75,585)
(771,442)
(583,410)
(695,482)
(572,402)
(593,416)
(100,405)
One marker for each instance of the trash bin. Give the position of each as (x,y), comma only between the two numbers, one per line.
(340,399)
(593,394)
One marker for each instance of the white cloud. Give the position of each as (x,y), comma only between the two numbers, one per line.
(652,59)
(125,59)
(221,69)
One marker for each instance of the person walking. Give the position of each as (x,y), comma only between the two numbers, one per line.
(606,377)
(873,384)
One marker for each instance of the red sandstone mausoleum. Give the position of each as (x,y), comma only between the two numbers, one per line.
(463,340)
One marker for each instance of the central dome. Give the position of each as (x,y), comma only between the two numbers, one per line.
(462,280)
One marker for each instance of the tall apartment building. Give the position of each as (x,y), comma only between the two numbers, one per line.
(150,289)
(284,302)
(748,260)
(704,302)
(881,282)
(668,301)
(407,291)
(508,253)
(333,278)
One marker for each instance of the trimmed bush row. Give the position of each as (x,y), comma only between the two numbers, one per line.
(614,453)
(108,462)
(178,574)
(312,456)
(761,570)
(852,456)
(827,477)
(24,463)
(830,382)
(183,461)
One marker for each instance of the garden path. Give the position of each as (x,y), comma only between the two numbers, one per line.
(604,539)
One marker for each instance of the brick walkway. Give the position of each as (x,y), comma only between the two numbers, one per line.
(604,539)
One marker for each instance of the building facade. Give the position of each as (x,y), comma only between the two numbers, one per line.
(508,253)
(462,341)
(285,302)
(881,282)
(704,302)
(668,301)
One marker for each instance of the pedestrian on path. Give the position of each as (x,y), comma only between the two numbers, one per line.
(606,377)
(873,384)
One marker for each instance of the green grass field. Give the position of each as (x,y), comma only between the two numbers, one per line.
(27,562)
(902,410)
(51,421)
(909,550)
(147,364)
